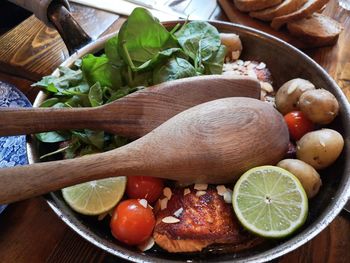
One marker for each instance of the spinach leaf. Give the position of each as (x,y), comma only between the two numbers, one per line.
(175,68)
(94,138)
(199,41)
(142,37)
(112,53)
(95,95)
(67,78)
(98,69)
(214,64)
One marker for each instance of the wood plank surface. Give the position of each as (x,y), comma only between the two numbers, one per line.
(31,232)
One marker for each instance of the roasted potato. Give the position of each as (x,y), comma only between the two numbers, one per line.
(319,105)
(287,97)
(307,175)
(320,148)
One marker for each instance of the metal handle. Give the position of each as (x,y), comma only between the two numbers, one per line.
(56,13)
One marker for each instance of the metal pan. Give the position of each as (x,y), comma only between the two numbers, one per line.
(285,62)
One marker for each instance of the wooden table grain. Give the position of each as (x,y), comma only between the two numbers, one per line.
(31,232)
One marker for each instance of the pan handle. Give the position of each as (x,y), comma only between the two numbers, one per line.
(56,13)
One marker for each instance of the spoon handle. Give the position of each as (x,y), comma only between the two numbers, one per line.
(22,182)
(16,121)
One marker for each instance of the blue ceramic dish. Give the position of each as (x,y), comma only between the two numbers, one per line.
(12,148)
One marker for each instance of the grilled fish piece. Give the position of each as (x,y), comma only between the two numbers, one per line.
(202,220)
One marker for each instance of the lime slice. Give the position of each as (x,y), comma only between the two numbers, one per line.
(95,197)
(270,201)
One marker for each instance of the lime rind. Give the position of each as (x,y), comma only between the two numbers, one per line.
(95,197)
(280,215)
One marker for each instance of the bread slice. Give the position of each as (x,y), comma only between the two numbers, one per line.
(284,8)
(306,10)
(253,5)
(317,30)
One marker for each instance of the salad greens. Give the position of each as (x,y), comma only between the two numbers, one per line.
(142,54)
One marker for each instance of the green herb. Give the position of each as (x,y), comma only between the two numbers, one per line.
(142,54)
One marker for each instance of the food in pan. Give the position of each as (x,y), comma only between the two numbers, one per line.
(190,218)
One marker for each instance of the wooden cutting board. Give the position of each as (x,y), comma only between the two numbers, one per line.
(236,16)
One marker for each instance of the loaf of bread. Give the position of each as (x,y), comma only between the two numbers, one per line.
(317,30)
(253,5)
(284,8)
(310,7)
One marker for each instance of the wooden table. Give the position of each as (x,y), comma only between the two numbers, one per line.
(31,232)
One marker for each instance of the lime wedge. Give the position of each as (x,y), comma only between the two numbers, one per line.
(270,201)
(95,197)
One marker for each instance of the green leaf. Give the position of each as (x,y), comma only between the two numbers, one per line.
(49,102)
(215,63)
(112,53)
(98,69)
(175,68)
(95,95)
(142,37)
(199,40)
(68,78)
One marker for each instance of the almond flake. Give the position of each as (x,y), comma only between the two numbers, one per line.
(167,192)
(148,244)
(178,212)
(143,202)
(200,193)
(187,191)
(170,220)
(221,189)
(266,86)
(163,203)
(240,62)
(262,65)
(246,63)
(201,186)
(228,196)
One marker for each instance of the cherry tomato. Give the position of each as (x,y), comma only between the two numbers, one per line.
(298,124)
(149,188)
(132,223)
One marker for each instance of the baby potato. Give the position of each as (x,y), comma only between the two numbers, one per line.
(233,45)
(307,175)
(287,97)
(320,148)
(319,105)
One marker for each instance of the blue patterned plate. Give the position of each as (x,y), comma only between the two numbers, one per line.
(12,148)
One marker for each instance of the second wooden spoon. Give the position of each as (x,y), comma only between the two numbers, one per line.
(134,115)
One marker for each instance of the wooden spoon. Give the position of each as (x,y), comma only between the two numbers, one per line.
(214,142)
(134,115)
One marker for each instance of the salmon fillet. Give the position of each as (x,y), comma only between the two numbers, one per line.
(203,220)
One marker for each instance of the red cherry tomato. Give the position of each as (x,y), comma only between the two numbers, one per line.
(149,188)
(298,124)
(132,223)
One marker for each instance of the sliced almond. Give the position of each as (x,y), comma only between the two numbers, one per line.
(266,86)
(143,202)
(170,220)
(148,244)
(167,192)
(228,196)
(163,203)
(200,193)
(187,191)
(221,189)
(178,212)
(102,216)
(262,65)
(201,186)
